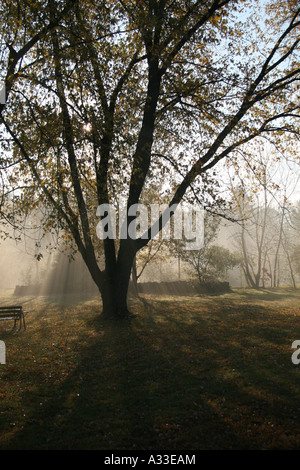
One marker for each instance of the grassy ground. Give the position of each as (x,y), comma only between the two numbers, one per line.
(186,374)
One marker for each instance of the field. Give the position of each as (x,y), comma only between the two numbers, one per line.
(187,373)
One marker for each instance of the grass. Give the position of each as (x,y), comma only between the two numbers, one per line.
(188,373)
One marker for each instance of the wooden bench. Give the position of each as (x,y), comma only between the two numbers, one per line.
(13,312)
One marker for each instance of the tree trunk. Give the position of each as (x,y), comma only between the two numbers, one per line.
(114,289)
(135,278)
(290,266)
(114,299)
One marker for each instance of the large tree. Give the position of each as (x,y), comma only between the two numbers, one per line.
(119,94)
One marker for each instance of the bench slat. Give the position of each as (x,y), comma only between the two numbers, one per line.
(11,307)
(13,312)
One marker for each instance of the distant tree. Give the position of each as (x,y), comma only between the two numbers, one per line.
(291,242)
(211,262)
(264,234)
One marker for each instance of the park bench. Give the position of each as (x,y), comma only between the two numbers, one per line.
(13,312)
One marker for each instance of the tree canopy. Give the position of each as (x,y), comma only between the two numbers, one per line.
(114,97)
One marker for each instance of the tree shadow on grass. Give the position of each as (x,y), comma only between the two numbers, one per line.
(166,384)
(123,395)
